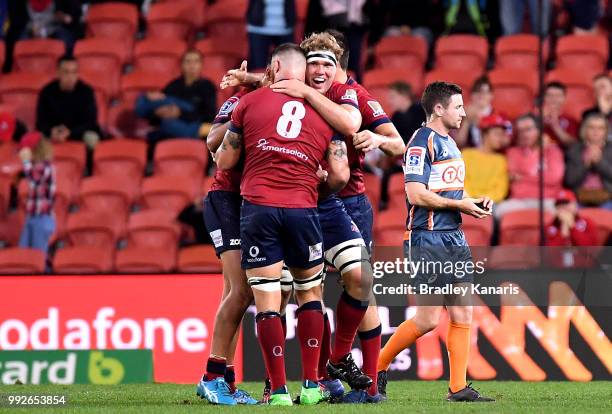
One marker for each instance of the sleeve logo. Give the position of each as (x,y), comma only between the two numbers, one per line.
(227,107)
(414,160)
(377,109)
(350,95)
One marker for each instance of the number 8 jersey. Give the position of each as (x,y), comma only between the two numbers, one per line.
(285,139)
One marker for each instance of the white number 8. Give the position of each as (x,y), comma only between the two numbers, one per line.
(290,124)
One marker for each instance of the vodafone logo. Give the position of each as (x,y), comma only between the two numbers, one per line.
(453,174)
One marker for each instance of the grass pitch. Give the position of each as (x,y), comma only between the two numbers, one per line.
(404,397)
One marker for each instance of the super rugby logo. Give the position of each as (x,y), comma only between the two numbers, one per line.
(414,160)
(377,109)
(350,95)
(227,107)
(263,145)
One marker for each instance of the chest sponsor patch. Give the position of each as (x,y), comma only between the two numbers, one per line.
(415,160)
(377,109)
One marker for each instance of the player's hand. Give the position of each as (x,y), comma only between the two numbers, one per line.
(487,203)
(469,207)
(366,141)
(291,87)
(235,77)
(322,174)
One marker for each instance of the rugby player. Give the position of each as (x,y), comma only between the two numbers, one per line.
(283,140)
(434,172)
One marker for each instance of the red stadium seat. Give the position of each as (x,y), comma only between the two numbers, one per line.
(117,21)
(462,53)
(94,229)
(37,55)
(197,10)
(2,53)
(159,55)
(301,8)
(5,195)
(107,193)
(123,121)
(11,226)
(514,257)
(167,192)
(477,232)
(401,52)
(136,83)
(377,81)
(514,91)
(226,19)
(153,228)
(21,261)
(389,234)
(170,20)
(83,261)
(21,90)
(522,228)
(181,157)
(145,260)
(214,75)
(125,158)
(579,93)
(519,51)
(603,219)
(463,78)
(198,259)
(69,159)
(221,54)
(583,53)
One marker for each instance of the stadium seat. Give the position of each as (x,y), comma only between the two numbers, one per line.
(603,219)
(401,52)
(477,232)
(136,83)
(145,260)
(37,55)
(123,121)
(522,228)
(69,159)
(196,13)
(514,91)
(94,229)
(21,261)
(181,157)
(125,158)
(83,260)
(390,234)
(463,78)
(114,20)
(21,90)
(583,53)
(167,192)
(226,19)
(520,51)
(11,226)
(462,53)
(159,55)
(579,93)
(214,75)
(152,228)
(377,81)
(102,193)
(221,54)
(301,9)
(2,52)
(198,259)
(514,257)
(5,195)
(170,20)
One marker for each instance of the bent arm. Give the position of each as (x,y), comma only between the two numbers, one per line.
(391,141)
(228,153)
(345,119)
(419,195)
(216,135)
(338,169)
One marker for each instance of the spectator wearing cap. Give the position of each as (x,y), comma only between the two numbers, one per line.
(486,169)
(524,171)
(481,105)
(36,154)
(569,228)
(589,163)
(559,126)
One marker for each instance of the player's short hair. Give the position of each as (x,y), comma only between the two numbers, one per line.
(602,75)
(528,116)
(402,88)
(438,92)
(322,41)
(341,39)
(191,52)
(65,58)
(287,48)
(480,82)
(588,118)
(555,85)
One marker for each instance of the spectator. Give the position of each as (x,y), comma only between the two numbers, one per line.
(59,19)
(269,23)
(466,16)
(512,12)
(408,115)
(486,170)
(584,15)
(561,127)
(36,154)
(481,105)
(524,171)
(589,163)
(186,106)
(568,227)
(602,90)
(67,108)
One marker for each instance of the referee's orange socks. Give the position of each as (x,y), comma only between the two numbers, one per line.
(458,345)
(404,336)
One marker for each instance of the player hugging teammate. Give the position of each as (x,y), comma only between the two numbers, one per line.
(279,134)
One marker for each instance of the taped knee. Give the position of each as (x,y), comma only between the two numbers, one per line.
(309,283)
(347,255)
(264,284)
(286,280)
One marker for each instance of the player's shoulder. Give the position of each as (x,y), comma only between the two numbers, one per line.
(421,137)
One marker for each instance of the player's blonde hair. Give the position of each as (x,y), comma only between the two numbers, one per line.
(322,41)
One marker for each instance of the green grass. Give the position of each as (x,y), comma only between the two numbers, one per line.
(405,397)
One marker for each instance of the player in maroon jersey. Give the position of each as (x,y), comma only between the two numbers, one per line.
(283,140)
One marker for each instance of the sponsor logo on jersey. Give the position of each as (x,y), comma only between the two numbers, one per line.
(377,109)
(234,242)
(264,146)
(216,237)
(227,107)
(316,251)
(415,160)
(350,95)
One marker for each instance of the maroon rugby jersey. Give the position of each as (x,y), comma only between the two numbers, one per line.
(284,141)
(372,115)
(228,180)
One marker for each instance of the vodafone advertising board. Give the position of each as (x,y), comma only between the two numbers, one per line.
(171,314)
